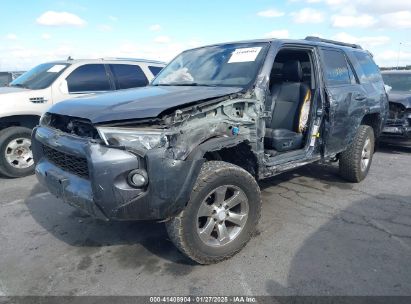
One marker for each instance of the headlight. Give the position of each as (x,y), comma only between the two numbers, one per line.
(45,119)
(133,138)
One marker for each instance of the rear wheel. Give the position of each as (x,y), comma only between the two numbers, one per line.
(221,216)
(16,157)
(355,162)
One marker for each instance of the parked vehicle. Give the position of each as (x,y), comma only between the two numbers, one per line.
(190,148)
(397,129)
(7,77)
(35,91)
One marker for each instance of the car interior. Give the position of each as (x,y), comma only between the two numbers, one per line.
(292,84)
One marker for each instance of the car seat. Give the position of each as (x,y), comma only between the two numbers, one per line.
(284,131)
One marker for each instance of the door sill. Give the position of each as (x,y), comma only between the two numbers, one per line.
(287,157)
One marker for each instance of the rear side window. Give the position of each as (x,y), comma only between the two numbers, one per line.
(88,78)
(369,71)
(336,68)
(128,76)
(155,69)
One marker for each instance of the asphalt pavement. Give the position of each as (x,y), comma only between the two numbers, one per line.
(318,235)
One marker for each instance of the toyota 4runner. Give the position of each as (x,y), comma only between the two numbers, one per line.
(31,94)
(190,148)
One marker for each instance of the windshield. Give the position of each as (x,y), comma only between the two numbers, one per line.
(222,65)
(398,82)
(39,77)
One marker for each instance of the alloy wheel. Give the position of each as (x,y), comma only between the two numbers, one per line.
(366,155)
(222,215)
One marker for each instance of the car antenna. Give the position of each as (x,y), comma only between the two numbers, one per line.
(69,58)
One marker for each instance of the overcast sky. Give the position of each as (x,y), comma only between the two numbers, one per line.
(37,31)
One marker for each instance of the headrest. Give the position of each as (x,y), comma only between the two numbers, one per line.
(292,71)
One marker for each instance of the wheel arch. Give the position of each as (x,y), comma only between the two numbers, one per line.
(234,150)
(374,120)
(28,121)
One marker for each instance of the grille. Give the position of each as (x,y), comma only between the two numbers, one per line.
(396,115)
(73,164)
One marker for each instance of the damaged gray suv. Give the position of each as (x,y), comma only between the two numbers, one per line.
(190,148)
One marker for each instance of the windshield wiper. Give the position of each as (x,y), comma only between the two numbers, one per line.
(177,84)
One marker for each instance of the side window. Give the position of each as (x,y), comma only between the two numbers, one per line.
(88,78)
(154,69)
(336,70)
(369,70)
(128,76)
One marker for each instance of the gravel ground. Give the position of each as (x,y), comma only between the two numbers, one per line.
(318,235)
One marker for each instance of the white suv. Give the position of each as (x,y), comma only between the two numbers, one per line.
(31,94)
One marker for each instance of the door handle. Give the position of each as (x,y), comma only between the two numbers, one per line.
(360,97)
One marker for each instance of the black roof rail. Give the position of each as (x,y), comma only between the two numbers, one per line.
(318,39)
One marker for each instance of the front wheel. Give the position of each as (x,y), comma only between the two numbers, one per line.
(221,216)
(16,157)
(355,162)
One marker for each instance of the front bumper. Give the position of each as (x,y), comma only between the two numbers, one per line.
(104,192)
(399,135)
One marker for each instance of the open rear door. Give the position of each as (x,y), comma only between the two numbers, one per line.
(342,101)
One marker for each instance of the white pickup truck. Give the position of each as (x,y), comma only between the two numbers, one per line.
(31,94)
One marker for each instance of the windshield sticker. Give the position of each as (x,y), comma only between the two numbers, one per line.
(56,68)
(244,55)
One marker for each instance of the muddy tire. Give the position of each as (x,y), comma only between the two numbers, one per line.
(355,162)
(16,158)
(221,215)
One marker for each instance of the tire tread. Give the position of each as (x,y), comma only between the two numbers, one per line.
(350,159)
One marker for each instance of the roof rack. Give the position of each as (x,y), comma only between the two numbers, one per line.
(318,39)
(134,59)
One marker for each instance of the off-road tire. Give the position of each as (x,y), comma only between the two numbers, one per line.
(350,159)
(7,135)
(182,229)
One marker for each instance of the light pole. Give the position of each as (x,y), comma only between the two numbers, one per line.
(398,57)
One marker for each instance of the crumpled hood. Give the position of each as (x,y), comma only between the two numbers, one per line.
(147,102)
(403,98)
